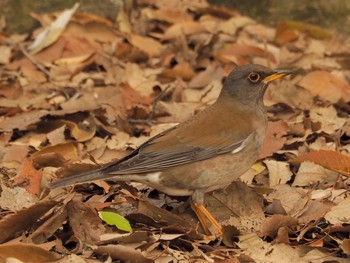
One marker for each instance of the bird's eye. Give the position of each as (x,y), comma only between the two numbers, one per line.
(254,77)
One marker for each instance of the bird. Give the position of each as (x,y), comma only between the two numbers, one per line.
(204,153)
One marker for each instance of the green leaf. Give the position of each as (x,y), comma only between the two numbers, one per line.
(117,220)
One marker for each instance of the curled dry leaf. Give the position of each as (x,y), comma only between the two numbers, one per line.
(331,160)
(82,131)
(183,28)
(26,253)
(326,85)
(68,150)
(53,32)
(288,31)
(241,54)
(182,70)
(272,224)
(149,45)
(23,219)
(161,215)
(125,253)
(85,222)
(29,177)
(22,120)
(169,15)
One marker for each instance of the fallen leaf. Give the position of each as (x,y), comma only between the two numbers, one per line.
(293,199)
(311,173)
(339,214)
(16,198)
(331,160)
(22,121)
(314,210)
(345,246)
(169,15)
(237,205)
(272,224)
(26,253)
(181,70)
(326,85)
(125,253)
(328,118)
(274,139)
(53,32)
(261,251)
(68,150)
(5,54)
(231,25)
(149,45)
(29,177)
(82,131)
(22,220)
(161,215)
(85,222)
(241,54)
(205,77)
(115,219)
(279,172)
(287,31)
(184,28)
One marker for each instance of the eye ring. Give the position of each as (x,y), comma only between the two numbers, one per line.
(254,77)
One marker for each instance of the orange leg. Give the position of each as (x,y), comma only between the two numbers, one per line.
(205,217)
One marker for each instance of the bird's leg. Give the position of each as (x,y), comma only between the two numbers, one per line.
(204,216)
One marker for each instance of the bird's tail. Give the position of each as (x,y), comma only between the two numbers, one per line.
(85,177)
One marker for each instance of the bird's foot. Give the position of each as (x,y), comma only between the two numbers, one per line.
(209,223)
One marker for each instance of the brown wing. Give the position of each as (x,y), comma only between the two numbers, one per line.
(185,144)
(145,160)
(179,145)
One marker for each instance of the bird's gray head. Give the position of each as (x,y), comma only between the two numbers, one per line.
(248,83)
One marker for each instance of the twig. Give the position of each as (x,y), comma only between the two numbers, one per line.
(33,60)
(150,120)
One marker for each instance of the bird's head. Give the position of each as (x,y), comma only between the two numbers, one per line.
(248,83)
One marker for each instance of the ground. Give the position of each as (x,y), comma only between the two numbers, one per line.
(82,91)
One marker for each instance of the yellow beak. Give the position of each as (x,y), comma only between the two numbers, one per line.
(278,73)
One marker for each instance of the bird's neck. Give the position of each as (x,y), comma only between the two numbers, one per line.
(242,104)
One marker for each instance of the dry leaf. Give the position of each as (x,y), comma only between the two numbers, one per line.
(292,199)
(29,177)
(183,28)
(26,253)
(53,32)
(272,224)
(328,118)
(326,85)
(237,205)
(22,220)
(274,139)
(339,213)
(331,160)
(279,172)
(125,253)
(310,173)
(149,45)
(169,15)
(85,222)
(68,150)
